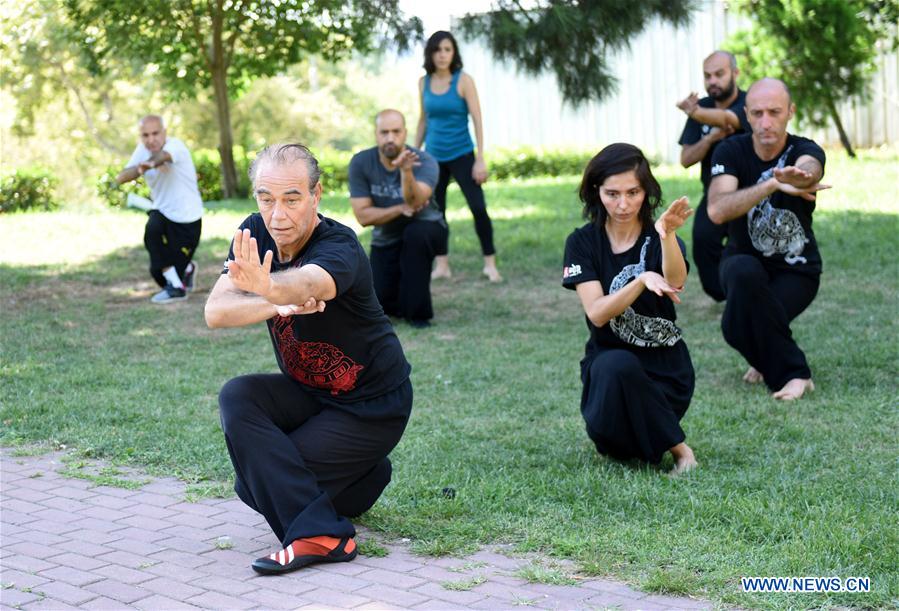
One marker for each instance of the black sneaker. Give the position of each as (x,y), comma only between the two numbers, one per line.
(169,295)
(190,277)
(419,323)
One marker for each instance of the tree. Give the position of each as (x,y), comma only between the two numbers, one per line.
(571,38)
(224,44)
(40,61)
(824,50)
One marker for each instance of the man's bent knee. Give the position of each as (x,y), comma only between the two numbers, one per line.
(233,398)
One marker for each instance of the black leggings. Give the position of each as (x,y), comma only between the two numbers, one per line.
(303,464)
(170,244)
(460,169)
(756,321)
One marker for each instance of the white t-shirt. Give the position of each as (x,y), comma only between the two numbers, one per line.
(172,185)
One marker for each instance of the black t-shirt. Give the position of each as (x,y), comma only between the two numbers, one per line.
(649,321)
(777,230)
(694,131)
(349,352)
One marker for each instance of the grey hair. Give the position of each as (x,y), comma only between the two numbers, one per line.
(283,153)
(151,118)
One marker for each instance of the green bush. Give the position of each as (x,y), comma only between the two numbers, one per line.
(335,166)
(534,163)
(209,179)
(28,189)
(503,165)
(115,194)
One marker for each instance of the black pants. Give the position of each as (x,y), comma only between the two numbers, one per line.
(460,169)
(305,465)
(169,244)
(756,321)
(708,244)
(632,411)
(402,271)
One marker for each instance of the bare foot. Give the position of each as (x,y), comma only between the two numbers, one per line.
(684,460)
(442,269)
(490,269)
(794,389)
(752,376)
(492,274)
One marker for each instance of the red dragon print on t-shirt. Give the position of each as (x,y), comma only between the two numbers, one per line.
(318,364)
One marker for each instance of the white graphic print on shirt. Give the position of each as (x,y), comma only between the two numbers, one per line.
(774,230)
(636,329)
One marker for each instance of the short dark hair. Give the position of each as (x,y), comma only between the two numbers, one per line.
(431,46)
(615,159)
(283,153)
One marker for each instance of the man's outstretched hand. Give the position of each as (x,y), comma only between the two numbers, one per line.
(796,181)
(245,270)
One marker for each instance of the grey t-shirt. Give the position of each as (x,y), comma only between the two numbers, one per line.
(369,178)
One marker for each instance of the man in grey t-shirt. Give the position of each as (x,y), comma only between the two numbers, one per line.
(390,188)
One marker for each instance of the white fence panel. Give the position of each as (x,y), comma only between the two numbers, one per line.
(661,67)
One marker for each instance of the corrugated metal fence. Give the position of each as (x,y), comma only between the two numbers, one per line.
(662,66)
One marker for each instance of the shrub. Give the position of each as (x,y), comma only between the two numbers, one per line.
(28,189)
(209,179)
(335,166)
(115,194)
(503,165)
(533,163)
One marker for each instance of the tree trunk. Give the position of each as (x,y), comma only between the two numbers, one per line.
(226,141)
(839,125)
(219,69)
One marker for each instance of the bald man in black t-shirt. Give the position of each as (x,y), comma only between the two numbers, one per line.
(309,445)
(763,187)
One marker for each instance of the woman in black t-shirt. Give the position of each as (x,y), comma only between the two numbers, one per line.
(628,270)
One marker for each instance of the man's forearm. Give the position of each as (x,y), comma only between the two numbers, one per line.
(292,286)
(717,117)
(237,309)
(724,207)
(127,175)
(691,154)
(414,194)
(372,215)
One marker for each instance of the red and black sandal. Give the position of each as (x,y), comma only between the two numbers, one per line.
(306,551)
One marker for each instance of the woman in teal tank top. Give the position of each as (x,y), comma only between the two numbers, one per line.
(448,96)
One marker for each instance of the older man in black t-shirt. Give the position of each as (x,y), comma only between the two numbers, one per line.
(309,445)
(709,121)
(764,186)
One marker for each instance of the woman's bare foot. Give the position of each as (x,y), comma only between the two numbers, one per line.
(490,269)
(684,460)
(794,389)
(752,376)
(442,269)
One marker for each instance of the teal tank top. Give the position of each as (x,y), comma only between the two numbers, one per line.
(446,135)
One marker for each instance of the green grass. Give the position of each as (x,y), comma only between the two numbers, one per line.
(806,488)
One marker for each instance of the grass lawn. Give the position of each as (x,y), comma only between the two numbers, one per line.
(784,489)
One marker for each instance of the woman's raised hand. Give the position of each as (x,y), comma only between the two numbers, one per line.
(675,216)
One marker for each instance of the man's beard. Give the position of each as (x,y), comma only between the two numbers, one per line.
(723,94)
(390,151)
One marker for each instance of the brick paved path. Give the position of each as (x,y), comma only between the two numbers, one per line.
(68,543)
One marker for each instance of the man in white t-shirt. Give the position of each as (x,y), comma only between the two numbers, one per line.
(173,229)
